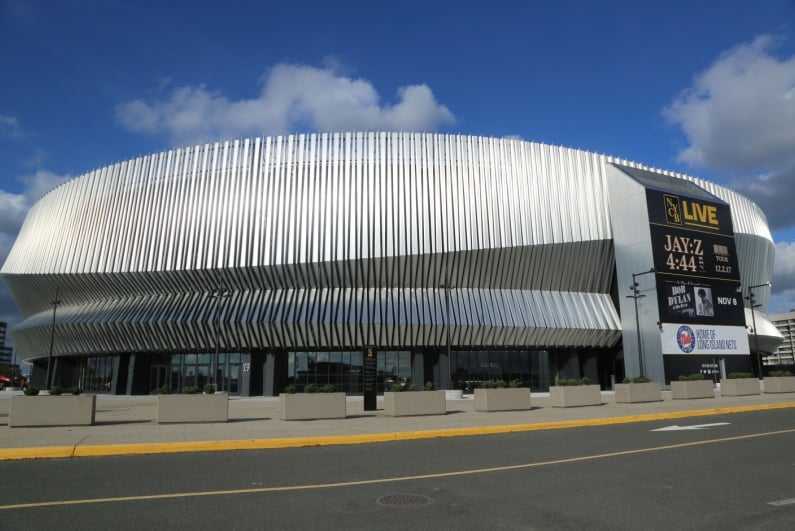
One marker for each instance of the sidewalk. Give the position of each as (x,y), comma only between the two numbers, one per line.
(124,424)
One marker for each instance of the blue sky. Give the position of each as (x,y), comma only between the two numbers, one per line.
(705,88)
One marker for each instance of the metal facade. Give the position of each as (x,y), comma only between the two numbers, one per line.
(328,241)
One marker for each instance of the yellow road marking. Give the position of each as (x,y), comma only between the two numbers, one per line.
(288,488)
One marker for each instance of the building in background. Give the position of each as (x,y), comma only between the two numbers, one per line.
(6,353)
(9,370)
(784,356)
(264,262)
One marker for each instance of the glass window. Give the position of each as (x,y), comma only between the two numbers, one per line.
(404,366)
(344,369)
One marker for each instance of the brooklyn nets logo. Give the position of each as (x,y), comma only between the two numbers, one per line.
(686,339)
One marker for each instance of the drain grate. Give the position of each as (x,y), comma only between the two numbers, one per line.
(404,501)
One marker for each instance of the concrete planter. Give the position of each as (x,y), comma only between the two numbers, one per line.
(739,386)
(506,399)
(408,403)
(575,395)
(310,406)
(780,384)
(192,408)
(688,389)
(67,410)
(631,393)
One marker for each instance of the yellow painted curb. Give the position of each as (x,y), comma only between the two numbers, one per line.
(98,450)
(38,452)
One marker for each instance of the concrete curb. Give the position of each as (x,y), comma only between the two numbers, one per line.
(56,452)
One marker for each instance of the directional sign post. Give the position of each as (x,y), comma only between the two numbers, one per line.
(370,378)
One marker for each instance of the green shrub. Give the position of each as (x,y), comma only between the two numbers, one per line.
(164,390)
(397,388)
(209,389)
(494,384)
(56,390)
(190,390)
(315,388)
(514,384)
(637,379)
(572,381)
(75,391)
(31,390)
(691,377)
(290,389)
(780,373)
(736,375)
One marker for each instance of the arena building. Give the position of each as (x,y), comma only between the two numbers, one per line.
(258,263)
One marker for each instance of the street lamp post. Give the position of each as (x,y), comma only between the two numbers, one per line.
(447,287)
(218,294)
(636,295)
(752,302)
(55,304)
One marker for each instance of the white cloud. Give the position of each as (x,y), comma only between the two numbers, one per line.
(14,207)
(782,302)
(784,266)
(9,127)
(740,113)
(39,183)
(292,97)
(739,118)
(774,193)
(783,294)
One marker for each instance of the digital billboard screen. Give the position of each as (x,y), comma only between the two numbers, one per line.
(697,274)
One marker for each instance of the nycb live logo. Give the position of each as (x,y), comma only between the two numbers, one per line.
(680,211)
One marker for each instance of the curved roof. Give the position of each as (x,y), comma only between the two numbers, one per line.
(304,228)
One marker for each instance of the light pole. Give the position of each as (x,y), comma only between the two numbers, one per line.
(218,294)
(636,295)
(752,302)
(447,287)
(55,304)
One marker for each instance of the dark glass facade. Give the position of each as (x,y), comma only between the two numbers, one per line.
(344,369)
(268,372)
(469,370)
(177,371)
(92,374)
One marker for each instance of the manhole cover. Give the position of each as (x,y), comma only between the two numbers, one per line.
(404,500)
